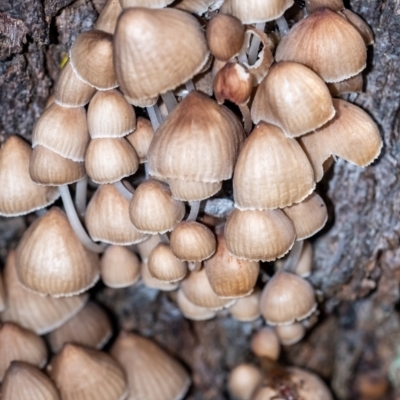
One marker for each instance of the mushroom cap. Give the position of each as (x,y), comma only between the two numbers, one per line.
(154,283)
(192,311)
(253,11)
(272,171)
(19,194)
(107,20)
(294,98)
(145,3)
(350,85)
(327,43)
(184,190)
(198,6)
(91,58)
(140,139)
(290,334)
(247,308)
(265,343)
(40,314)
(146,247)
(244,380)
(50,259)
(84,373)
(334,5)
(362,27)
(148,49)
(287,298)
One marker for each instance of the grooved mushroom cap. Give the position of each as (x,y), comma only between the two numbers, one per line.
(145,3)
(91,58)
(244,380)
(192,241)
(351,135)
(294,98)
(154,283)
(141,138)
(145,248)
(152,208)
(50,169)
(290,334)
(19,344)
(253,11)
(108,160)
(326,43)
(259,235)
(107,218)
(90,327)
(230,277)
(50,259)
(308,216)
(110,115)
(314,5)
(362,27)
(265,343)
(351,85)
(198,6)
(41,314)
(193,190)
(70,91)
(151,372)
(84,373)
(192,311)
(287,298)
(272,171)
(148,51)
(164,266)
(198,141)
(64,131)
(247,308)
(19,194)
(107,20)
(119,267)
(24,381)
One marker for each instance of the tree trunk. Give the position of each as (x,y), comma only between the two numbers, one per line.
(357,256)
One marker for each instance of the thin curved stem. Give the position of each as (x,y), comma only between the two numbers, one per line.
(194,210)
(123,190)
(169,100)
(146,170)
(190,86)
(292,260)
(247,122)
(80,196)
(282,25)
(76,223)
(255,44)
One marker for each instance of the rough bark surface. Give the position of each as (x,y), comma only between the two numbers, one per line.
(357,257)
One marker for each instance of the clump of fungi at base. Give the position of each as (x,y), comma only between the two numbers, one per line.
(235,98)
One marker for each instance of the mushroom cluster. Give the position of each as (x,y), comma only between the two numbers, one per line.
(243,121)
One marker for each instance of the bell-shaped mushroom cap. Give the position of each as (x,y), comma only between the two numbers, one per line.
(51,260)
(164,266)
(304,264)
(119,267)
(230,277)
(326,43)
(91,58)
(107,218)
(41,314)
(146,247)
(351,135)
(253,11)
(310,386)
(110,115)
(351,85)
(308,216)
(265,343)
(141,138)
(334,5)
(198,141)
(259,235)
(150,64)
(272,171)
(154,283)
(225,36)
(84,373)
(19,344)
(193,190)
(192,241)
(362,27)
(294,98)
(192,311)
(290,334)
(24,381)
(49,168)
(70,91)
(90,327)
(20,195)
(107,20)
(244,379)
(152,208)
(145,3)
(151,372)
(247,308)
(198,6)
(64,131)
(287,298)
(108,160)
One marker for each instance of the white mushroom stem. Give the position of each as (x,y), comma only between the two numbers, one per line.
(146,170)
(255,44)
(76,223)
(247,122)
(190,86)
(242,56)
(194,210)
(194,266)
(169,100)
(155,116)
(282,25)
(291,262)
(164,238)
(80,196)
(123,190)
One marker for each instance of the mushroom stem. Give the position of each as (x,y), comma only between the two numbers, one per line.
(190,86)
(194,266)
(155,116)
(247,122)
(282,25)
(164,238)
(169,100)
(291,262)
(255,44)
(146,170)
(75,221)
(80,196)
(194,210)
(123,190)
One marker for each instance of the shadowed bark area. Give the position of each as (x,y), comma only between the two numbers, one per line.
(356,259)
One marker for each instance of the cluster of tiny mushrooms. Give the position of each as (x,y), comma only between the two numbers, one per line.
(170,60)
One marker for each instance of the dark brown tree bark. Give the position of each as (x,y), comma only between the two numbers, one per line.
(357,257)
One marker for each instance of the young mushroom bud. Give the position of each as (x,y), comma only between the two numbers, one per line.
(192,311)
(244,379)
(141,138)
(265,343)
(290,334)
(247,308)
(154,283)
